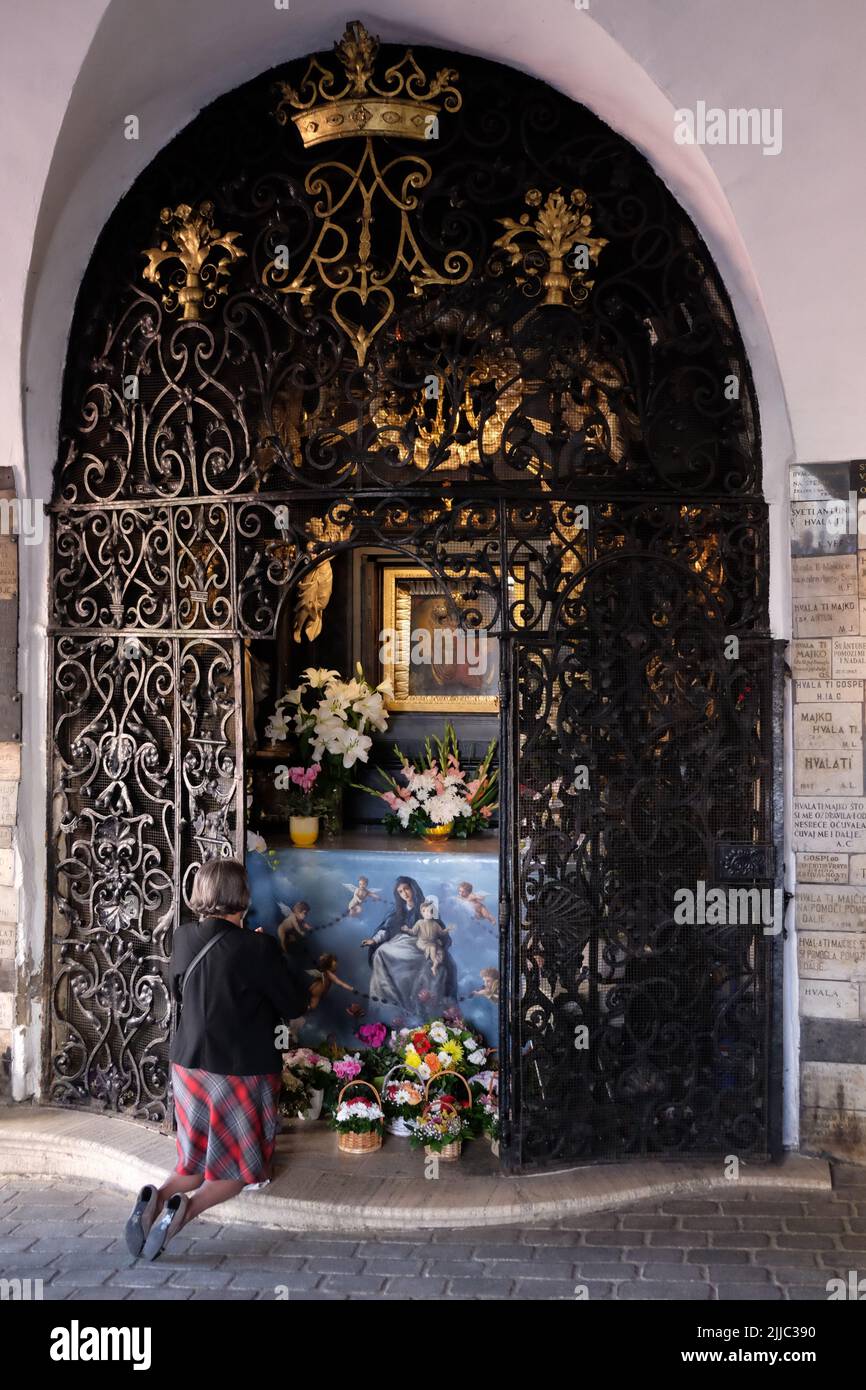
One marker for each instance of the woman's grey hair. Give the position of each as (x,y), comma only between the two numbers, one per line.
(221,888)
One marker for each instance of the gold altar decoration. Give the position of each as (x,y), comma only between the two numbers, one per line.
(400,106)
(205,254)
(560,227)
(314,588)
(362,298)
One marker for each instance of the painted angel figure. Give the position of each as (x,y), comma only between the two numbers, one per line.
(467,894)
(294,926)
(361,893)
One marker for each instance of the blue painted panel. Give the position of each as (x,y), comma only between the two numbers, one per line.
(408,986)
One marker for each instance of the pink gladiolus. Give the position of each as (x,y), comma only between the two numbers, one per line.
(391,800)
(472,787)
(440,786)
(486,812)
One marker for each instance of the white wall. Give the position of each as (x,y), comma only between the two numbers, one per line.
(786,231)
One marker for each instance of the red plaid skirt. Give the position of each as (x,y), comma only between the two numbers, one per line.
(226,1125)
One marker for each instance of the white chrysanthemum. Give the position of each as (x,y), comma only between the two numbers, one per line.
(405,809)
(438,1032)
(445,1058)
(476,1058)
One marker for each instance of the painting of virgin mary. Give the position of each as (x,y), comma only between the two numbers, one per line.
(401,974)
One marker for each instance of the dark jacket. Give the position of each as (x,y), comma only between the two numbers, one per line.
(234,1001)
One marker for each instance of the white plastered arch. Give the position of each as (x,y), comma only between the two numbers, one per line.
(163,62)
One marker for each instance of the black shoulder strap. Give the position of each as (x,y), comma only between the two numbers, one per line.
(199,957)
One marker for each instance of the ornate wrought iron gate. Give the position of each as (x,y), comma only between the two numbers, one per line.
(512,361)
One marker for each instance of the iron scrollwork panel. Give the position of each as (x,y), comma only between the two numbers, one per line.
(211,754)
(112,568)
(282,542)
(113,866)
(636,748)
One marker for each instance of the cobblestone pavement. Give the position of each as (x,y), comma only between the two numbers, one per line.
(774,1245)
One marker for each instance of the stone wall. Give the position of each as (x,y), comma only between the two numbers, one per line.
(10,774)
(828,550)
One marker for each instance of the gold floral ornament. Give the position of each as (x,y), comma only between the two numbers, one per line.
(561,230)
(341,261)
(205,255)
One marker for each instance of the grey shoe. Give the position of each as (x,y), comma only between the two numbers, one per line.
(141,1220)
(168,1224)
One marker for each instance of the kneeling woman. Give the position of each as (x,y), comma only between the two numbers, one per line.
(234,987)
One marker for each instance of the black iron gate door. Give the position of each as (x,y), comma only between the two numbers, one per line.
(641,778)
(502,350)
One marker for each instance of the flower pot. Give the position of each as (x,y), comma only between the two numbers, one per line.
(315,1107)
(304,830)
(439,833)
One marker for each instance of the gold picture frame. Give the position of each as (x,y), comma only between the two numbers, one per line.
(409,597)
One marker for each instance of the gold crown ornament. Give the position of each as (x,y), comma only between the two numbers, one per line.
(402,104)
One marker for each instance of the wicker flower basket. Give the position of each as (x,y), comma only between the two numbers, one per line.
(350,1143)
(450,1152)
(398,1126)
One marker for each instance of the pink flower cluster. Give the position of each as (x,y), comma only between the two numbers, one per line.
(305,777)
(347,1068)
(373,1034)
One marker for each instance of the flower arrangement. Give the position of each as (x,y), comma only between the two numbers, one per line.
(401,1099)
(487,1103)
(294,1096)
(330,717)
(359,1115)
(377,1053)
(359,1121)
(309,1067)
(438,791)
(445,1121)
(300,783)
(348,1068)
(440,1046)
(440,1127)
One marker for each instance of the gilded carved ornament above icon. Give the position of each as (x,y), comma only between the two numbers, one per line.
(403,105)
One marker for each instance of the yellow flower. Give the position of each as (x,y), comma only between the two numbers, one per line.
(455,1050)
(412,1058)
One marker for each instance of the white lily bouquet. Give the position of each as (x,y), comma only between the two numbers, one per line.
(330,718)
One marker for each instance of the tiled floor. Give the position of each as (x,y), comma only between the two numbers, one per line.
(772,1245)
